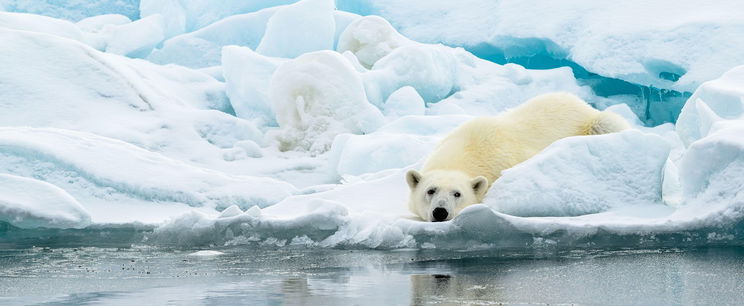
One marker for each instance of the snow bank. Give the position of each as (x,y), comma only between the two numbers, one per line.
(30,203)
(360,154)
(166,109)
(584,175)
(716,100)
(100,171)
(316,97)
(630,42)
(306,26)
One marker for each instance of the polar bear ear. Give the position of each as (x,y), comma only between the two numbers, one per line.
(480,185)
(413,178)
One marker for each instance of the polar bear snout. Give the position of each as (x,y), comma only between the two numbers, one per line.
(439,214)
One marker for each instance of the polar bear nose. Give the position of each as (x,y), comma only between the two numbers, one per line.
(439,214)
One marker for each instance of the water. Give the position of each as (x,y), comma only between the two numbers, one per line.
(152,276)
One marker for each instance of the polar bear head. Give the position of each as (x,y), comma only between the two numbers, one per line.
(440,195)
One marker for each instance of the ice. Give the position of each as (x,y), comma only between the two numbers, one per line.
(101,172)
(630,42)
(316,97)
(370,38)
(248,76)
(73,10)
(137,39)
(716,100)
(712,166)
(301,121)
(306,26)
(202,48)
(30,203)
(404,101)
(40,24)
(188,16)
(428,69)
(584,175)
(360,154)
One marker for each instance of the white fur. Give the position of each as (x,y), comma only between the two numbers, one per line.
(483,147)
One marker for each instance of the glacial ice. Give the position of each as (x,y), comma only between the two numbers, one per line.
(292,147)
(30,203)
(305,26)
(714,101)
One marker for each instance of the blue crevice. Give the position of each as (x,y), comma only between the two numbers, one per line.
(653,105)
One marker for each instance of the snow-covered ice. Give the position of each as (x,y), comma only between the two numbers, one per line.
(286,123)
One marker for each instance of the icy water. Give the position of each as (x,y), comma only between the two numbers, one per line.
(241,275)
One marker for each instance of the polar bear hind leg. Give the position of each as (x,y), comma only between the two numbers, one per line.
(606,122)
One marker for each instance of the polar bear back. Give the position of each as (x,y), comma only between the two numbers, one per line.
(487,145)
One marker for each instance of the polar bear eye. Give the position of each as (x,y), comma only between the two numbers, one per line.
(457,194)
(431,191)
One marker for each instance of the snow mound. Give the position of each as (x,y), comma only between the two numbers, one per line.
(403,102)
(99,171)
(714,101)
(306,26)
(584,175)
(360,154)
(317,96)
(712,166)
(172,110)
(370,38)
(29,203)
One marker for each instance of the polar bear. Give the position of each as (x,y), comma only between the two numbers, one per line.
(463,166)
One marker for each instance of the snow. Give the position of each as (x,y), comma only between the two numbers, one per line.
(716,100)
(370,38)
(584,175)
(306,26)
(285,123)
(30,203)
(629,42)
(316,97)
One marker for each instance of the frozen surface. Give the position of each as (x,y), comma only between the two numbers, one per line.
(29,203)
(72,10)
(629,42)
(584,175)
(306,26)
(715,101)
(301,120)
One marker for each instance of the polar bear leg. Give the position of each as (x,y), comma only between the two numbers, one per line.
(606,122)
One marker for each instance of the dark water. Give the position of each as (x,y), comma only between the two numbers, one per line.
(152,276)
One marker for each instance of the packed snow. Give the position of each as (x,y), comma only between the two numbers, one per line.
(292,123)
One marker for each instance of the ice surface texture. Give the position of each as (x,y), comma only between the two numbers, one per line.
(276,123)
